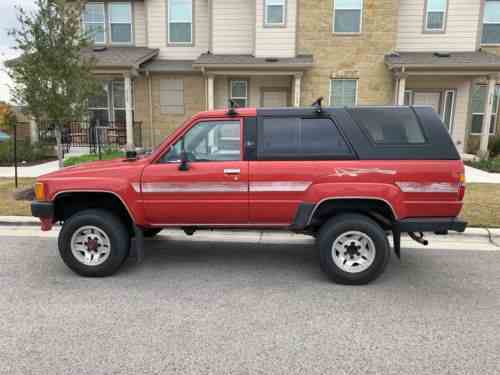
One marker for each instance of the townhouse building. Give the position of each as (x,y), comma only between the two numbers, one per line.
(161,61)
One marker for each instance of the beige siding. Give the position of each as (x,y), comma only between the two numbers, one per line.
(276,41)
(461,117)
(140,24)
(233,26)
(461,27)
(157,31)
(256,85)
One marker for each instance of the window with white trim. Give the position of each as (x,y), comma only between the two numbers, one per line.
(120,21)
(343,92)
(94,22)
(435,17)
(491,23)
(180,21)
(239,92)
(108,106)
(347,16)
(274,12)
(172,96)
(479,97)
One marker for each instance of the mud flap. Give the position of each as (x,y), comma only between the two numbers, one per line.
(137,245)
(396,235)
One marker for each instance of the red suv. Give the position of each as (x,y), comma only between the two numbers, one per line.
(348,176)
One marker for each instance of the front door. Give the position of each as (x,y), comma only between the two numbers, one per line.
(213,186)
(428,98)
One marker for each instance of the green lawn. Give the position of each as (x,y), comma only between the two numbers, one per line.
(106,155)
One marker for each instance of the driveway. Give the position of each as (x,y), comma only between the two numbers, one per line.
(247,307)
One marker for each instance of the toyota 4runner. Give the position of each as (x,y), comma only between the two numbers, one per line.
(350,177)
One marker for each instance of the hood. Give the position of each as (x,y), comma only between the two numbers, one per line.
(96,168)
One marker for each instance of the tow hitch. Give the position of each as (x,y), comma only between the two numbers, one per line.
(418,237)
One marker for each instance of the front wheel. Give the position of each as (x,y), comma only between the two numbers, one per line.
(353,249)
(94,243)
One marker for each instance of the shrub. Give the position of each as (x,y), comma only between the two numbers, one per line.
(25,152)
(495,147)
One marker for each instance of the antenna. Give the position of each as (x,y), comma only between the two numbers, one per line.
(232,111)
(318,105)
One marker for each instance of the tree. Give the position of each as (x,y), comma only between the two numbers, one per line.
(52,81)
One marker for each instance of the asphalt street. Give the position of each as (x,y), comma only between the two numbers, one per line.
(223,307)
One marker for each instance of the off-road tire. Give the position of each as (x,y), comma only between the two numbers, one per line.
(339,225)
(112,226)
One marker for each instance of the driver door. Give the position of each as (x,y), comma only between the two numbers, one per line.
(213,188)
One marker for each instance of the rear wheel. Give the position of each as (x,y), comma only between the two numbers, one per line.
(353,249)
(94,243)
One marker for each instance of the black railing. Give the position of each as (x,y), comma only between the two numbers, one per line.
(90,134)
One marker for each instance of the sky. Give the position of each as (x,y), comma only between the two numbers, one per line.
(7,21)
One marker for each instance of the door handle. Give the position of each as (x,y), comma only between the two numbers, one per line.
(232,171)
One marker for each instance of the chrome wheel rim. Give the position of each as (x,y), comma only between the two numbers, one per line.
(90,245)
(353,252)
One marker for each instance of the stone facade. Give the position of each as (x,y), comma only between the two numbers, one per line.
(155,129)
(358,56)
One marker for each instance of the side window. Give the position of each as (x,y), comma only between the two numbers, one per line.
(296,138)
(398,126)
(208,141)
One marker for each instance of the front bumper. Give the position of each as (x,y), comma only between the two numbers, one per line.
(431,224)
(44,211)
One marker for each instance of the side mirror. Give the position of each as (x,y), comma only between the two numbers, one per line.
(184,166)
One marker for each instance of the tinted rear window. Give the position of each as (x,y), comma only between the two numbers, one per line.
(301,138)
(396,126)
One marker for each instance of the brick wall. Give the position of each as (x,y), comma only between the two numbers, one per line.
(348,56)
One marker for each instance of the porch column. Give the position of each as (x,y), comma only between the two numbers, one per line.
(401,89)
(210,92)
(129,116)
(485,130)
(297,83)
(33,131)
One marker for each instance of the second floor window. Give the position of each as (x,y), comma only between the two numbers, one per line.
(274,12)
(120,20)
(180,21)
(347,16)
(435,16)
(94,22)
(491,23)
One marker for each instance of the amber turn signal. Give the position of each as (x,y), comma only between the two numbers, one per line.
(40,191)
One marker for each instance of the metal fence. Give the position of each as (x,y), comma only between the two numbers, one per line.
(90,134)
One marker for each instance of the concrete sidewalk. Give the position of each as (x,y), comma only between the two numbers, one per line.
(474,175)
(480,239)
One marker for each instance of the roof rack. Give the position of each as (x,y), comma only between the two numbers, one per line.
(232,108)
(318,105)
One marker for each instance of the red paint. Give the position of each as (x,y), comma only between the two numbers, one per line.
(373,179)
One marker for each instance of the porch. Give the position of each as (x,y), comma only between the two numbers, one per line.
(251,81)
(460,86)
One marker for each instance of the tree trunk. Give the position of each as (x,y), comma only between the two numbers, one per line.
(60,155)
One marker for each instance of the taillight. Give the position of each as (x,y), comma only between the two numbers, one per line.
(461,190)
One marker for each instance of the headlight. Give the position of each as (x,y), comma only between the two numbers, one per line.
(40,191)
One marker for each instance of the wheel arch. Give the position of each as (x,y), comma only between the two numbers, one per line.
(379,209)
(68,203)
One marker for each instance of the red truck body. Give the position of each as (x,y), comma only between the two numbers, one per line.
(404,194)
